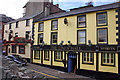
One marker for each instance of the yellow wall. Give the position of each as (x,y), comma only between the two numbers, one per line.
(69,32)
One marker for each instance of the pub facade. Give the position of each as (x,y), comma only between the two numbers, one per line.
(84,40)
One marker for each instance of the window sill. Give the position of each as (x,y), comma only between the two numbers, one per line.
(46,59)
(88,63)
(37,58)
(112,65)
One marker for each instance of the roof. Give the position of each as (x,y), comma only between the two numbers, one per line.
(81,10)
(24,18)
(4,18)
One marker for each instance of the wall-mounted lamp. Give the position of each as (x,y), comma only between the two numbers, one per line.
(89,41)
(69,43)
(43,43)
(11,31)
(66,21)
(61,44)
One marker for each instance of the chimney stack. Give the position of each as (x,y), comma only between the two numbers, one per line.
(57,5)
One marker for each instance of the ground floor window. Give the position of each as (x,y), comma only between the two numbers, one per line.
(36,54)
(88,57)
(58,55)
(46,55)
(108,58)
(21,49)
(13,48)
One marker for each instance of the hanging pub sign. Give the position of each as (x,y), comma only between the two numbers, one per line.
(19,40)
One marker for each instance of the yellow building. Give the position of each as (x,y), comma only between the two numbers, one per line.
(85,40)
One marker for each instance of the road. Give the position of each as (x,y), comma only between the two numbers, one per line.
(52,73)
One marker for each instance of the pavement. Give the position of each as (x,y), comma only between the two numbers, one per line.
(52,73)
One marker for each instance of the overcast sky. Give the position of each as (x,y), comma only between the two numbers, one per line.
(14,8)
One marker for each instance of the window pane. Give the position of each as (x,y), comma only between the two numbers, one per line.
(87,56)
(82,24)
(102,21)
(84,56)
(107,57)
(54,25)
(81,40)
(102,35)
(82,18)
(101,16)
(81,33)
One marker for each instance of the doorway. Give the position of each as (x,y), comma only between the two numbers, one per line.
(72,62)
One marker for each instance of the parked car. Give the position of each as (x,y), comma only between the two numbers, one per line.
(18,59)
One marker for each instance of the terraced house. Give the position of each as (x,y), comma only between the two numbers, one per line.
(84,40)
(18,33)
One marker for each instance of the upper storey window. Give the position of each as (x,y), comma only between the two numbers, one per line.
(41,27)
(27,22)
(54,24)
(17,24)
(10,26)
(102,19)
(82,21)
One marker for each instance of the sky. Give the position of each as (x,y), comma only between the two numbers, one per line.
(14,8)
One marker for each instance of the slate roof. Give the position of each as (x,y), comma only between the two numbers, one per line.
(4,18)
(24,18)
(81,10)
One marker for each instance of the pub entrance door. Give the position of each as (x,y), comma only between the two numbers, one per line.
(72,61)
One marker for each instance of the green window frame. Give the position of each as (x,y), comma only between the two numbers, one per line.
(81,21)
(54,37)
(101,19)
(37,54)
(54,25)
(40,38)
(46,55)
(81,36)
(102,36)
(88,57)
(58,55)
(108,59)
(41,27)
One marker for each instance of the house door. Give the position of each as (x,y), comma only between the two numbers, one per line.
(72,61)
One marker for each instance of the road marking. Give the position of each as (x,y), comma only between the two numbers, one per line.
(47,75)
